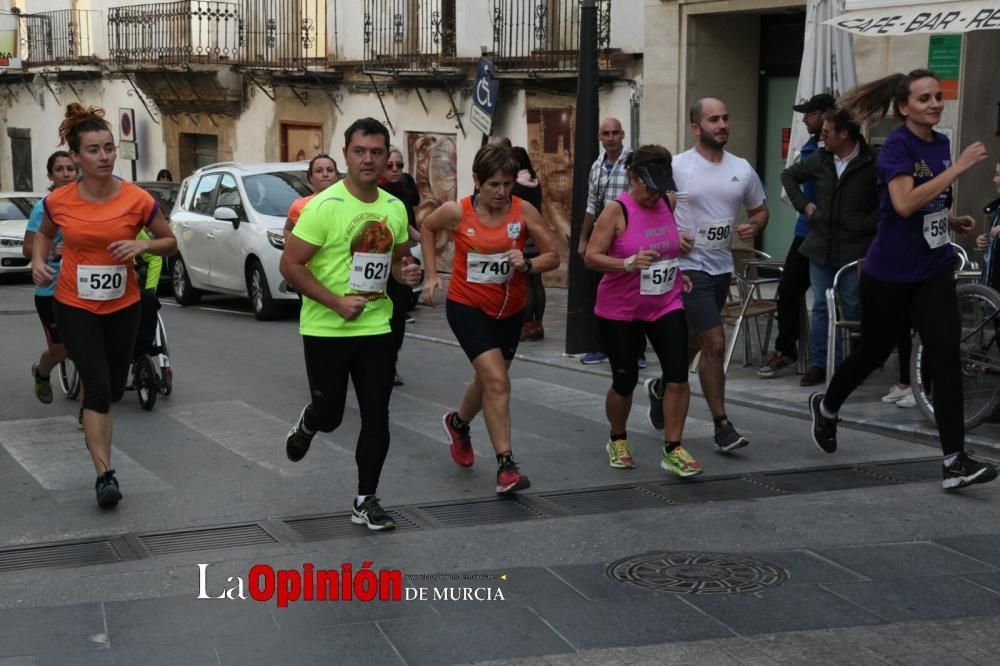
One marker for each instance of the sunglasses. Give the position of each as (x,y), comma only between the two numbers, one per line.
(394,165)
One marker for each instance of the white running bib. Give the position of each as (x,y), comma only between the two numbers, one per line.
(936,229)
(488,268)
(659,278)
(369,272)
(101,283)
(715,235)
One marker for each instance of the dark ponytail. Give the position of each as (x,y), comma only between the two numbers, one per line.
(871,101)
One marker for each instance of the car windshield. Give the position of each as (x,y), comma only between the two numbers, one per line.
(18,208)
(273,193)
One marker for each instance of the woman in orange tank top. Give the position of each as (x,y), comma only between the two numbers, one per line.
(486,298)
(97,294)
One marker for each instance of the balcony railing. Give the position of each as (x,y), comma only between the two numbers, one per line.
(251,33)
(413,35)
(543,35)
(63,37)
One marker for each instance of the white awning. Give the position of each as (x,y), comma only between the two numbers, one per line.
(912,17)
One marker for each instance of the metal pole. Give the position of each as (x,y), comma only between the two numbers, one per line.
(581,329)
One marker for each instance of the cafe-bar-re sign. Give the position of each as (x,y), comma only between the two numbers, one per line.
(937,18)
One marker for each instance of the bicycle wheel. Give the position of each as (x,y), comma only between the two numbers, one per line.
(69,379)
(147,383)
(979,312)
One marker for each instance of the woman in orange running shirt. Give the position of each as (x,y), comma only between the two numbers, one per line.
(321,175)
(97,294)
(486,298)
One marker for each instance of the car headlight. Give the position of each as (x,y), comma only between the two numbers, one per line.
(276,238)
(11,242)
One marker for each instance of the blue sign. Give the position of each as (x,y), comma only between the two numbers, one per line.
(487,88)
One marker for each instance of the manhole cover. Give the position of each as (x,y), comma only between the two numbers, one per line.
(697,573)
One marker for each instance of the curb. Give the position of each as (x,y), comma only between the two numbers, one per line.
(919,434)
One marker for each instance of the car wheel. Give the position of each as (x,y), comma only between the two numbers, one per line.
(264,307)
(184,293)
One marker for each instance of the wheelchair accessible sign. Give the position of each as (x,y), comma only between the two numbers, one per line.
(484,97)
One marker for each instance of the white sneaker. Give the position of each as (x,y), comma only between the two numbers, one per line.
(896,394)
(908,401)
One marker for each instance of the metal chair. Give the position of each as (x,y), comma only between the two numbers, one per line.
(836,324)
(749,303)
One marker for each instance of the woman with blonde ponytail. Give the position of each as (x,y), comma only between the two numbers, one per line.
(97,294)
(909,266)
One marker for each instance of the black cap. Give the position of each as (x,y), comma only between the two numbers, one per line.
(657,176)
(820,102)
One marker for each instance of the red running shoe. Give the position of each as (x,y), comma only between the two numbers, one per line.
(510,479)
(461,443)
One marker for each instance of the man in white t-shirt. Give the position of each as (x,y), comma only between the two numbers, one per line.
(712,186)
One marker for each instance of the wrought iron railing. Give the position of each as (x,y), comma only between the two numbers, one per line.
(411,35)
(543,35)
(63,37)
(252,33)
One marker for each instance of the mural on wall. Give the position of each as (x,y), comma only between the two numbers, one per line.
(550,146)
(433,162)
(302,142)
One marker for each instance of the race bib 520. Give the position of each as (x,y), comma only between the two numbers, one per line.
(101,283)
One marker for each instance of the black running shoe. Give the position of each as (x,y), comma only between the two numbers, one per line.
(824,430)
(298,440)
(371,514)
(655,412)
(964,471)
(727,439)
(108,494)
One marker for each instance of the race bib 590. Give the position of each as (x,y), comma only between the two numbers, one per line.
(715,235)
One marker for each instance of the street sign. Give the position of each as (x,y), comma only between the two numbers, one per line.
(127,150)
(126,125)
(484,96)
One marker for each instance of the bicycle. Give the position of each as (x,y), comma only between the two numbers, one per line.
(150,374)
(979,312)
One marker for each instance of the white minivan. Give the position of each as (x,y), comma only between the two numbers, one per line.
(228,220)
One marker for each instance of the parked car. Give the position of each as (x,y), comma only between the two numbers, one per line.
(15,209)
(228,220)
(166,195)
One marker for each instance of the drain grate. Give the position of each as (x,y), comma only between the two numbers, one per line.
(339,525)
(234,536)
(606,500)
(480,512)
(715,490)
(820,480)
(913,470)
(697,573)
(61,555)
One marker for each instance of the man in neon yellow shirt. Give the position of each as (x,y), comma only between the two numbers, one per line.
(338,257)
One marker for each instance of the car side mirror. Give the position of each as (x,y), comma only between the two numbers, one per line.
(227,214)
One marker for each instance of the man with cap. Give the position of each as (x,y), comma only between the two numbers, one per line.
(714,187)
(795,275)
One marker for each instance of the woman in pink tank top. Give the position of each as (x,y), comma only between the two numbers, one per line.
(636,245)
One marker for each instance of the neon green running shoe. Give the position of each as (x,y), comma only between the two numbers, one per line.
(619,454)
(680,462)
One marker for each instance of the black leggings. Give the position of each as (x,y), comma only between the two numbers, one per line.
(369,360)
(146,337)
(400,295)
(625,340)
(933,308)
(101,349)
(535,308)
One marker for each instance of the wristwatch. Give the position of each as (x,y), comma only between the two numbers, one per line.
(527,264)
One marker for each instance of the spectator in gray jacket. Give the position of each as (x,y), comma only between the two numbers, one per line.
(842,223)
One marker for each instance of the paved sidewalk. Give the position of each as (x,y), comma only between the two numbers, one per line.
(783,395)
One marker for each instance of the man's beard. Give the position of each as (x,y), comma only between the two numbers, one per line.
(710,141)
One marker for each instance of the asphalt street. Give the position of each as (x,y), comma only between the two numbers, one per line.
(863,540)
